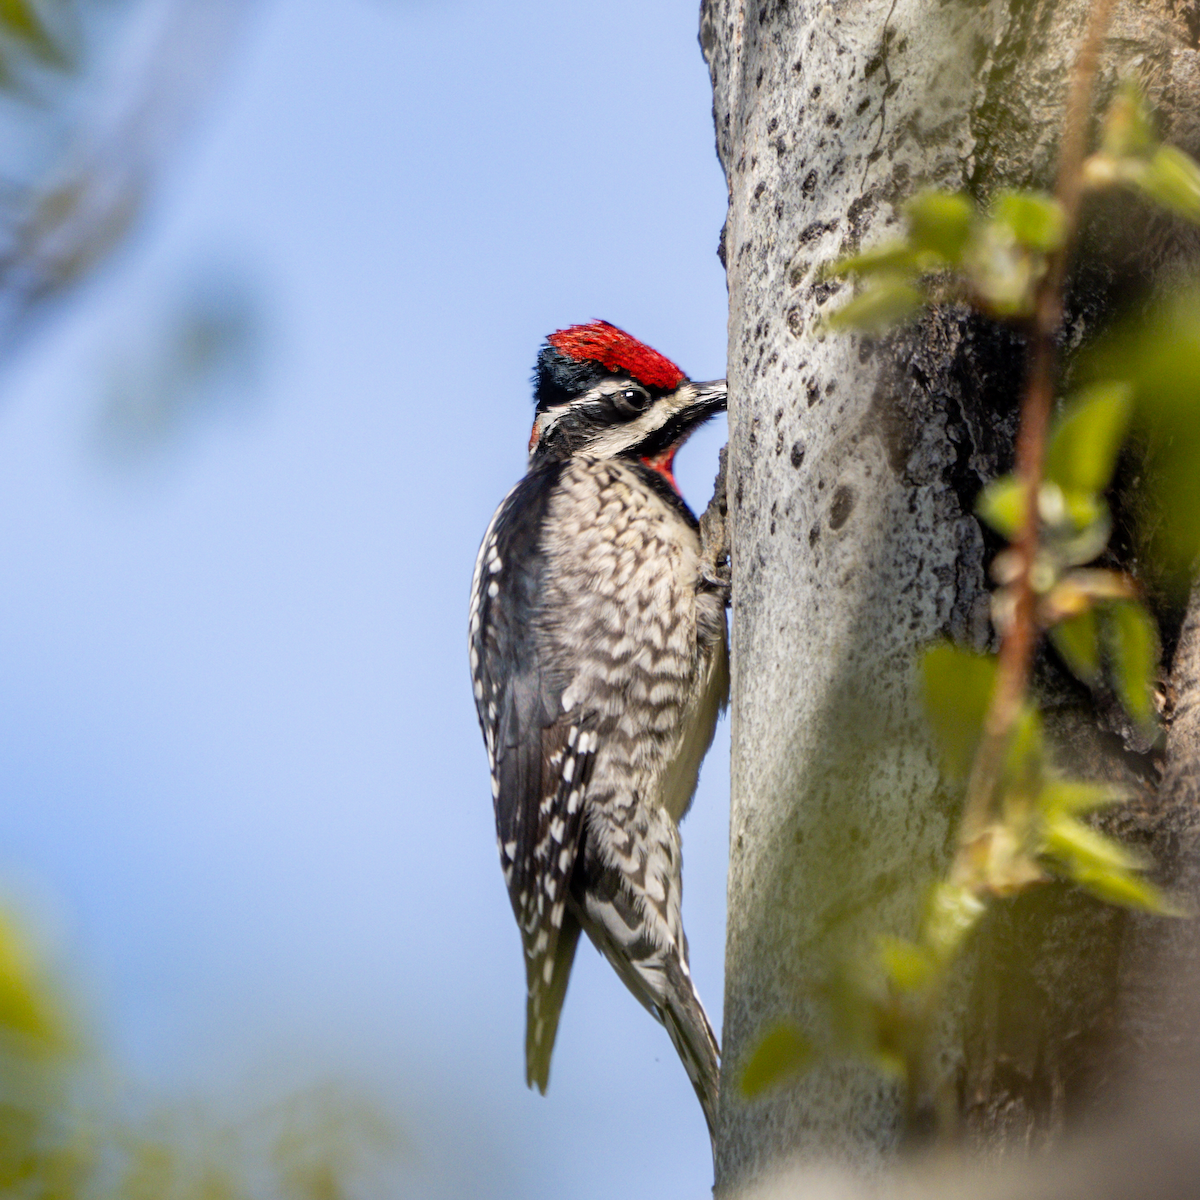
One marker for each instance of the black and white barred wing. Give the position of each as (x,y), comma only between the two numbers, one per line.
(540,760)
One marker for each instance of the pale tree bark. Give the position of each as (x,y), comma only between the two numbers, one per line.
(853,468)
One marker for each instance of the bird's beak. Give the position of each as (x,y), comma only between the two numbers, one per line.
(702,400)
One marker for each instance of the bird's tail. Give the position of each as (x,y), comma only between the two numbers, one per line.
(544,1002)
(692,1035)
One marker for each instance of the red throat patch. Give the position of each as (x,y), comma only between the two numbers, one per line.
(616,350)
(664,464)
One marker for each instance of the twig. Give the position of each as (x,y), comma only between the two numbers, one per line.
(1020,637)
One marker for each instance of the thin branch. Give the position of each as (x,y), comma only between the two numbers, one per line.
(1020,637)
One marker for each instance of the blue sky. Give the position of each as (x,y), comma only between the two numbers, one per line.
(247,792)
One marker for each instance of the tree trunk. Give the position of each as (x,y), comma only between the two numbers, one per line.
(854,465)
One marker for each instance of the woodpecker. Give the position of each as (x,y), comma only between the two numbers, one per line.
(599,663)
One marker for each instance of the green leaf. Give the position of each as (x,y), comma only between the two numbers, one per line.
(1025,754)
(1035,219)
(951,914)
(782,1054)
(1127,129)
(1077,640)
(1172,179)
(1080,848)
(1133,649)
(887,301)
(21,20)
(908,966)
(958,690)
(1068,797)
(1087,438)
(941,223)
(896,257)
(1129,891)
(1159,354)
(1002,505)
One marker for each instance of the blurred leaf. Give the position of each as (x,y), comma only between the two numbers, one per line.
(952,912)
(1170,178)
(22,21)
(1079,846)
(1002,505)
(1159,354)
(1133,648)
(1127,131)
(885,301)
(1129,891)
(782,1054)
(1069,797)
(1077,640)
(27,1006)
(895,257)
(1087,438)
(941,223)
(958,689)
(909,967)
(1002,272)
(1035,219)
(1025,754)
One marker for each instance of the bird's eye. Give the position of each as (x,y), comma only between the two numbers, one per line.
(633,400)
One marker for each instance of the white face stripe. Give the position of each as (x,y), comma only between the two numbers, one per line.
(618,438)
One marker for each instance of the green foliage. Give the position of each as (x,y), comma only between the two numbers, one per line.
(1024,823)
(782,1054)
(998,256)
(1158,356)
(1132,155)
(316,1145)
(958,691)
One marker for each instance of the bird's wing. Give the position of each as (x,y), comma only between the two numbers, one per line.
(540,757)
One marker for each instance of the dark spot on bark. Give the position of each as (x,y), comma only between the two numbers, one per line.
(758,81)
(780,145)
(721,243)
(815,93)
(902,45)
(778,415)
(830,388)
(798,65)
(758,191)
(863,105)
(795,321)
(822,291)
(841,506)
(808,187)
(772,525)
(810,233)
(778,443)
(832,119)
(814,393)
(891,89)
(772,124)
(797,454)
(814,535)
(873,65)
(797,273)
(739,493)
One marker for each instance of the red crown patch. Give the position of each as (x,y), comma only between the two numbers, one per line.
(615,350)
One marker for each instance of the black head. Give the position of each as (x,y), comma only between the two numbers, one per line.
(602,393)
